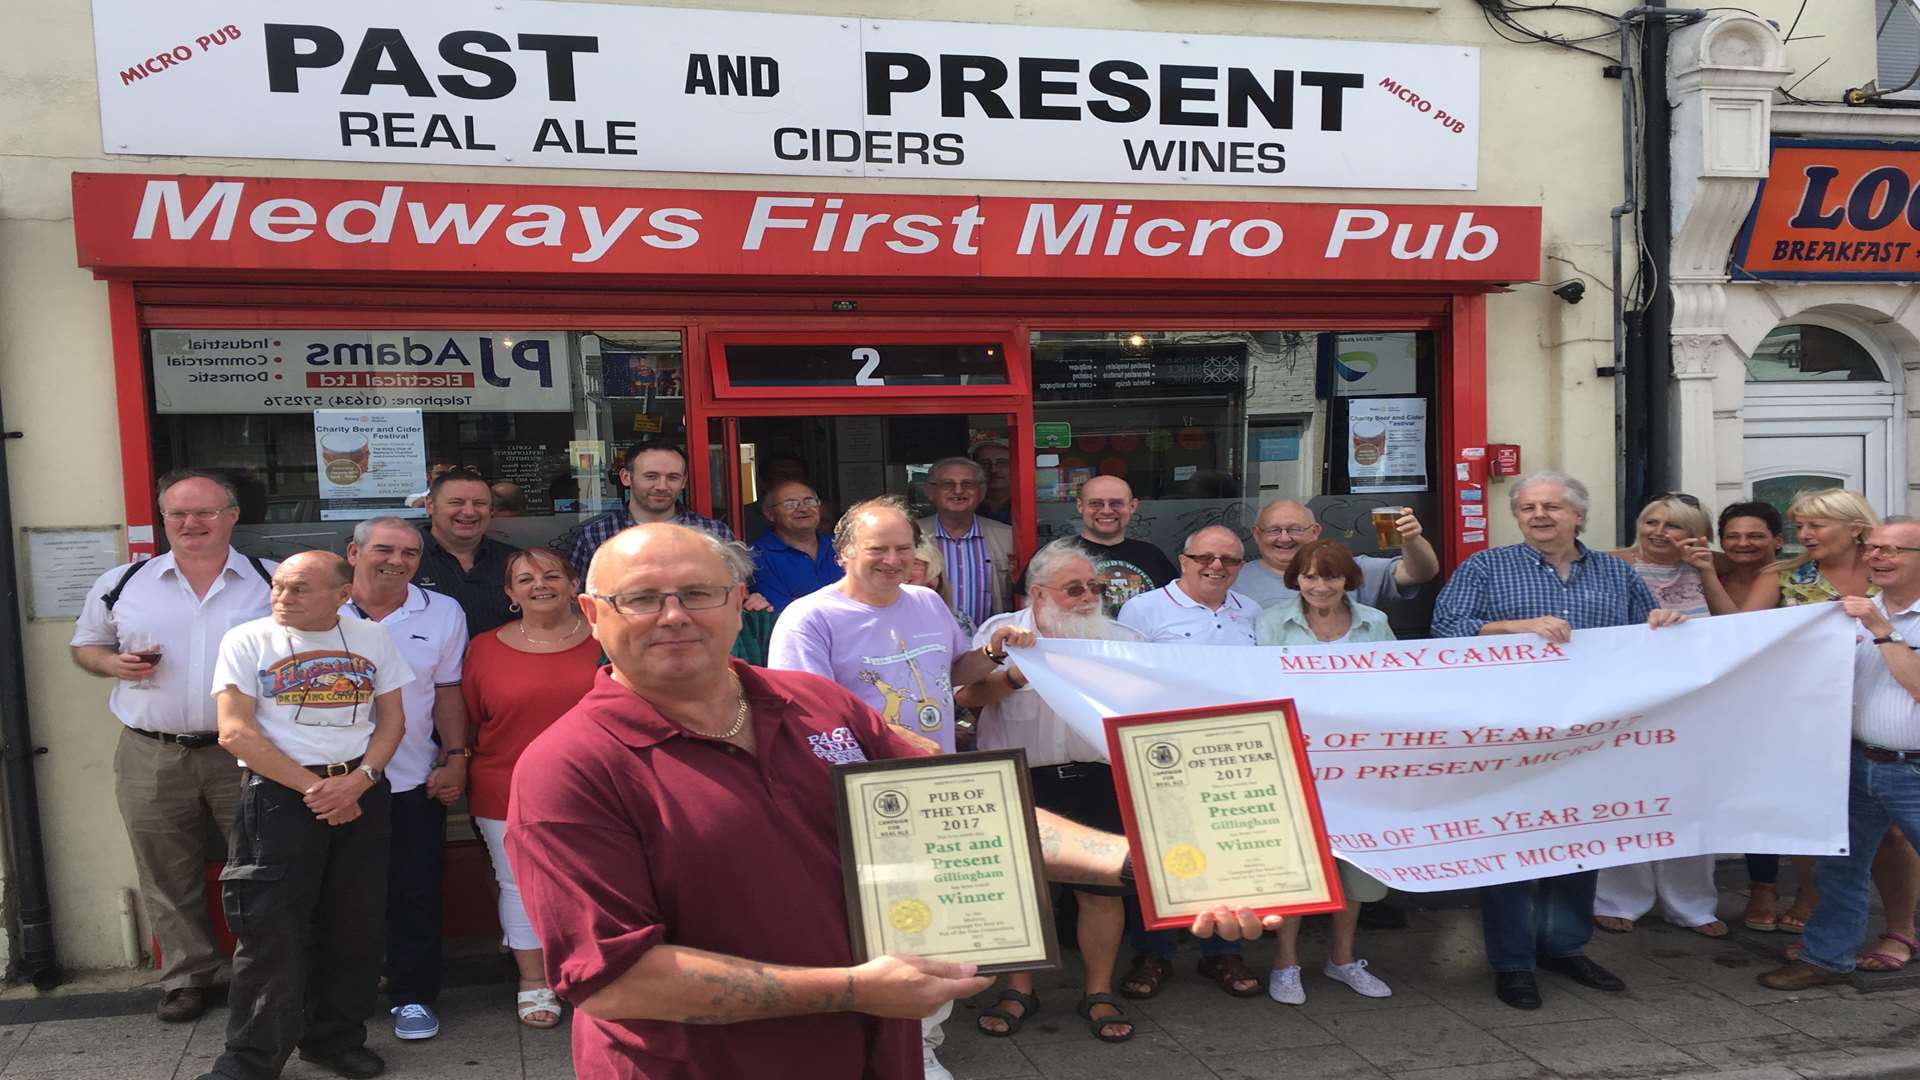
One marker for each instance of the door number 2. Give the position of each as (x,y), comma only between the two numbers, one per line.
(866,376)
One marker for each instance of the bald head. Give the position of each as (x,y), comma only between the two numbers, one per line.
(616,558)
(1106,506)
(1283,527)
(309,588)
(664,601)
(1210,563)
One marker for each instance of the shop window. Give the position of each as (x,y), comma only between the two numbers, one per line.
(1209,425)
(320,429)
(1803,352)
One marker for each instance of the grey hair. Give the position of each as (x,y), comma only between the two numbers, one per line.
(1576,491)
(176,476)
(1188,542)
(732,554)
(849,522)
(363,532)
(1056,554)
(979,472)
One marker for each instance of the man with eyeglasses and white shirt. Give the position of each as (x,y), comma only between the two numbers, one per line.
(1286,525)
(170,775)
(978,549)
(793,558)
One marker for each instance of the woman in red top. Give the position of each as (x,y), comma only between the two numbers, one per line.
(519,679)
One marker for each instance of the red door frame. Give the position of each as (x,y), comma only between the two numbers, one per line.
(799,306)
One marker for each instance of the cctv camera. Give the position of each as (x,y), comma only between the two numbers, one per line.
(1572,291)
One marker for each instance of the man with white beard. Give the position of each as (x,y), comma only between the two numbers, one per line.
(1069,774)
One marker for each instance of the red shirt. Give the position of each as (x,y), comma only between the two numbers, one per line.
(513,696)
(625,834)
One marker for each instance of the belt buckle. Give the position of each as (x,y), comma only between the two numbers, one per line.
(338,768)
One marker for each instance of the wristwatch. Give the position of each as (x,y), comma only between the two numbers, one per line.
(372,774)
(1892,638)
(453,752)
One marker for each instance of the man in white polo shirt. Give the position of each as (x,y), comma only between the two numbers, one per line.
(309,703)
(170,775)
(430,631)
(1884,789)
(1199,608)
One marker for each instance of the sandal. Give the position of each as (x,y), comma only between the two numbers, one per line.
(540,1000)
(1792,920)
(1714,929)
(1613,925)
(1150,972)
(1029,1004)
(1875,959)
(1229,971)
(1763,902)
(1099,1027)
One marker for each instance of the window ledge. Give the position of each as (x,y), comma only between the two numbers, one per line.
(1395,5)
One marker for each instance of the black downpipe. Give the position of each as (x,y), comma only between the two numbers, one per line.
(37,961)
(1656,379)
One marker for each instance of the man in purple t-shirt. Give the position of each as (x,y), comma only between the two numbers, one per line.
(894,645)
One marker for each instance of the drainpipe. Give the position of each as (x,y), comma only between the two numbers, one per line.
(17,751)
(1623,427)
(1656,217)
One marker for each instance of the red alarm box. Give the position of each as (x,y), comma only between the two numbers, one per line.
(1503,459)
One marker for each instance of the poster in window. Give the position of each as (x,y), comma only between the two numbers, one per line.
(370,462)
(1387,444)
(1366,364)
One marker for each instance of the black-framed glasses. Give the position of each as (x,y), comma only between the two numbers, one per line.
(1884,549)
(1077,589)
(1205,559)
(692,598)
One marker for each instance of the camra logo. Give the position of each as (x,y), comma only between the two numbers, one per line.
(1163,755)
(319,680)
(890,804)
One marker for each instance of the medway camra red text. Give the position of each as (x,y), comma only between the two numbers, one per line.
(152,222)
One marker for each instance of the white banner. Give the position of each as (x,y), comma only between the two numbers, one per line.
(611,86)
(297,371)
(1451,763)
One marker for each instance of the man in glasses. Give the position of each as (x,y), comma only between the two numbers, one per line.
(1285,526)
(978,550)
(793,557)
(1070,776)
(1199,608)
(154,628)
(1128,566)
(457,557)
(679,855)
(1885,787)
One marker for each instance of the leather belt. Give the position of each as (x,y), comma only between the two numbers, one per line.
(189,742)
(338,768)
(1884,756)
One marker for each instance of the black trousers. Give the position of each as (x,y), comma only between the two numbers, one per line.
(413,898)
(307,902)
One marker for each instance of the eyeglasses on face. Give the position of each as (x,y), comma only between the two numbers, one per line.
(1884,549)
(790,505)
(1077,589)
(955,485)
(1271,531)
(176,517)
(1107,504)
(692,598)
(1206,559)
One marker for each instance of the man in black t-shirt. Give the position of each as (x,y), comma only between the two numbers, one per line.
(1129,567)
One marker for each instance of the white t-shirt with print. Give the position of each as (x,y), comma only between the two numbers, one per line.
(312,690)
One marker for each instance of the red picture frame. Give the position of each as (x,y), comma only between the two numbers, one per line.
(1152,910)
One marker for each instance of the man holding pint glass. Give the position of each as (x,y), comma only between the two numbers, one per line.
(1286,525)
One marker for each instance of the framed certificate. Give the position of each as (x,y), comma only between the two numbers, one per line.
(1220,809)
(941,858)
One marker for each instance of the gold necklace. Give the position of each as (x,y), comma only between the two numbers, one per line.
(571,630)
(739,719)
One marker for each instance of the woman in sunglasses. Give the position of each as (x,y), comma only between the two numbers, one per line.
(1673,554)
(1324,572)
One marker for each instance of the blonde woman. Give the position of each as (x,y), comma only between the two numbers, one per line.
(930,569)
(1673,554)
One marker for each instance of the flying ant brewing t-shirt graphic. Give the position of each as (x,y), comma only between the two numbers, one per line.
(319,684)
(313,691)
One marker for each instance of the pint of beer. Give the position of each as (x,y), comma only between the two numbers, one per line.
(344,456)
(1385,535)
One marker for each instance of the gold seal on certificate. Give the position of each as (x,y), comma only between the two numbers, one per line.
(1220,810)
(941,858)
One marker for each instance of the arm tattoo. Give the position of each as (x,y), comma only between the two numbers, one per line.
(1080,856)
(747,990)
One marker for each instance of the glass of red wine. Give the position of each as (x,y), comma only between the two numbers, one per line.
(148,650)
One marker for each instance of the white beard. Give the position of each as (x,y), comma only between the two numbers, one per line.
(1093,626)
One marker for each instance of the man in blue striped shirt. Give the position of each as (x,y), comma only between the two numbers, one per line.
(978,550)
(1550,585)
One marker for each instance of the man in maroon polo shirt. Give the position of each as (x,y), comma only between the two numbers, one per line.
(674,841)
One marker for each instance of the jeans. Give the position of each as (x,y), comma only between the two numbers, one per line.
(307,902)
(1525,920)
(413,898)
(1878,795)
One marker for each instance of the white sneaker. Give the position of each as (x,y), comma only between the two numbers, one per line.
(1357,978)
(1283,986)
(931,1066)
